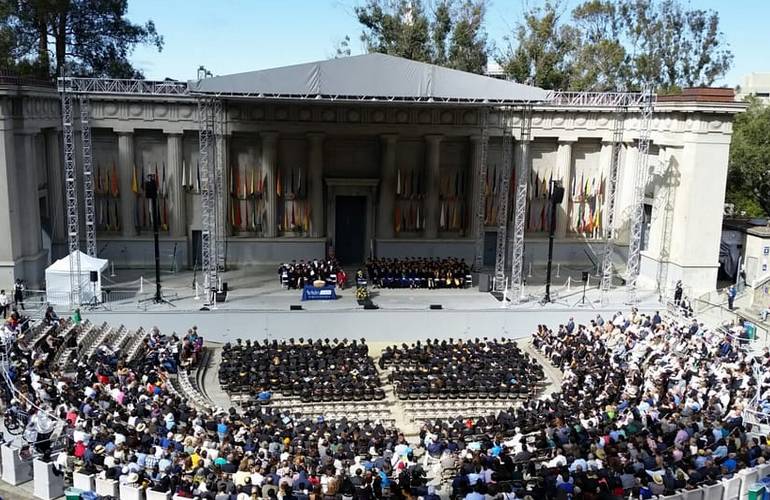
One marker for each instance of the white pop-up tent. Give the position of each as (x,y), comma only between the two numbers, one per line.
(57,279)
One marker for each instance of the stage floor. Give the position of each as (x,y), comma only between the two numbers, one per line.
(257,307)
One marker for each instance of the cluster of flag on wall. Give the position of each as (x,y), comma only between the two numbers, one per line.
(247,202)
(294,211)
(410,184)
(408,216)
(248,184)
(191,178)
(588,198)
(452,215)
(539,195)
(452,185)
(107,191)
(295,216)
(143,213)
(291,184)
(492,190)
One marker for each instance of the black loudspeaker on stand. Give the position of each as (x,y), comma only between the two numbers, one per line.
(557,196)
(151,193)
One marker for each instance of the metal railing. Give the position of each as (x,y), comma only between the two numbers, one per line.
(596,99)
(122,86)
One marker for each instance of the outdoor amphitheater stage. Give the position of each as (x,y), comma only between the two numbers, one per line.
(257,307)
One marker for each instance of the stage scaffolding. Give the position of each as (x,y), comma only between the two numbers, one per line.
(213,123)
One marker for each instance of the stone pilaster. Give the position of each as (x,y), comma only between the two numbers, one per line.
(475,225)
(433,163)
(56,203)
(387,198)
(564,174)
(125,172)
(315,174)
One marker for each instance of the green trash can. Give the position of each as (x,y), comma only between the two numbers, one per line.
(72,493)
(751,330)
(756,491)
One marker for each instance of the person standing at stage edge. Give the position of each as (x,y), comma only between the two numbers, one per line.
(678,293)
(731,293)
(18,294)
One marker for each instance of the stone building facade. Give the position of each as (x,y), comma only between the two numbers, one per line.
(391,179)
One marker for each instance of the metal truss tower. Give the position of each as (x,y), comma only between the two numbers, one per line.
(637,206)
(517,243)
(88,177)
(504,195)
(481,192)
(71,193)
(206,159)
(612,185)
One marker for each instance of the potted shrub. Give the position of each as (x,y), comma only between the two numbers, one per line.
(362,295)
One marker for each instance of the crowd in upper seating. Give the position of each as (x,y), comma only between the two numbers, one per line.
(296,275)
(646,407)
(320,370)
(418,273)
(459,368)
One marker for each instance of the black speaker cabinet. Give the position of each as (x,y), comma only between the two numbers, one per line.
(220,296)
(557,196)
(585,276)
(93,276)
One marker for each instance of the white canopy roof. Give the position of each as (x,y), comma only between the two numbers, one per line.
(370,77)
(87,264)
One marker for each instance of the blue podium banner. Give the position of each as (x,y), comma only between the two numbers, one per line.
(309,292)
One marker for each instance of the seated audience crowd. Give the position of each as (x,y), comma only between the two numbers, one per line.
(418,273)
(296,275)
(646,407)
(320,370)
(461,369)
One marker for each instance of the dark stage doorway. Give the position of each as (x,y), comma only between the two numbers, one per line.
(350,229)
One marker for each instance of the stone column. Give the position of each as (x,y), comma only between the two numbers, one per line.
(125,172)
(29,197)
(433,162)
(315,182)
(387,198)
(269,156)
(10,243)
(176,206)
(474,224)
(56,202)
(564,174)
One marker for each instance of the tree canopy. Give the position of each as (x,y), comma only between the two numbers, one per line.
(748,177)
(87,37)
(449,33)
(617,44)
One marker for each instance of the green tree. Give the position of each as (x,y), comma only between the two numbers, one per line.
(90,37)
(621,44)
(541,50)
(748,177)
(450,34)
